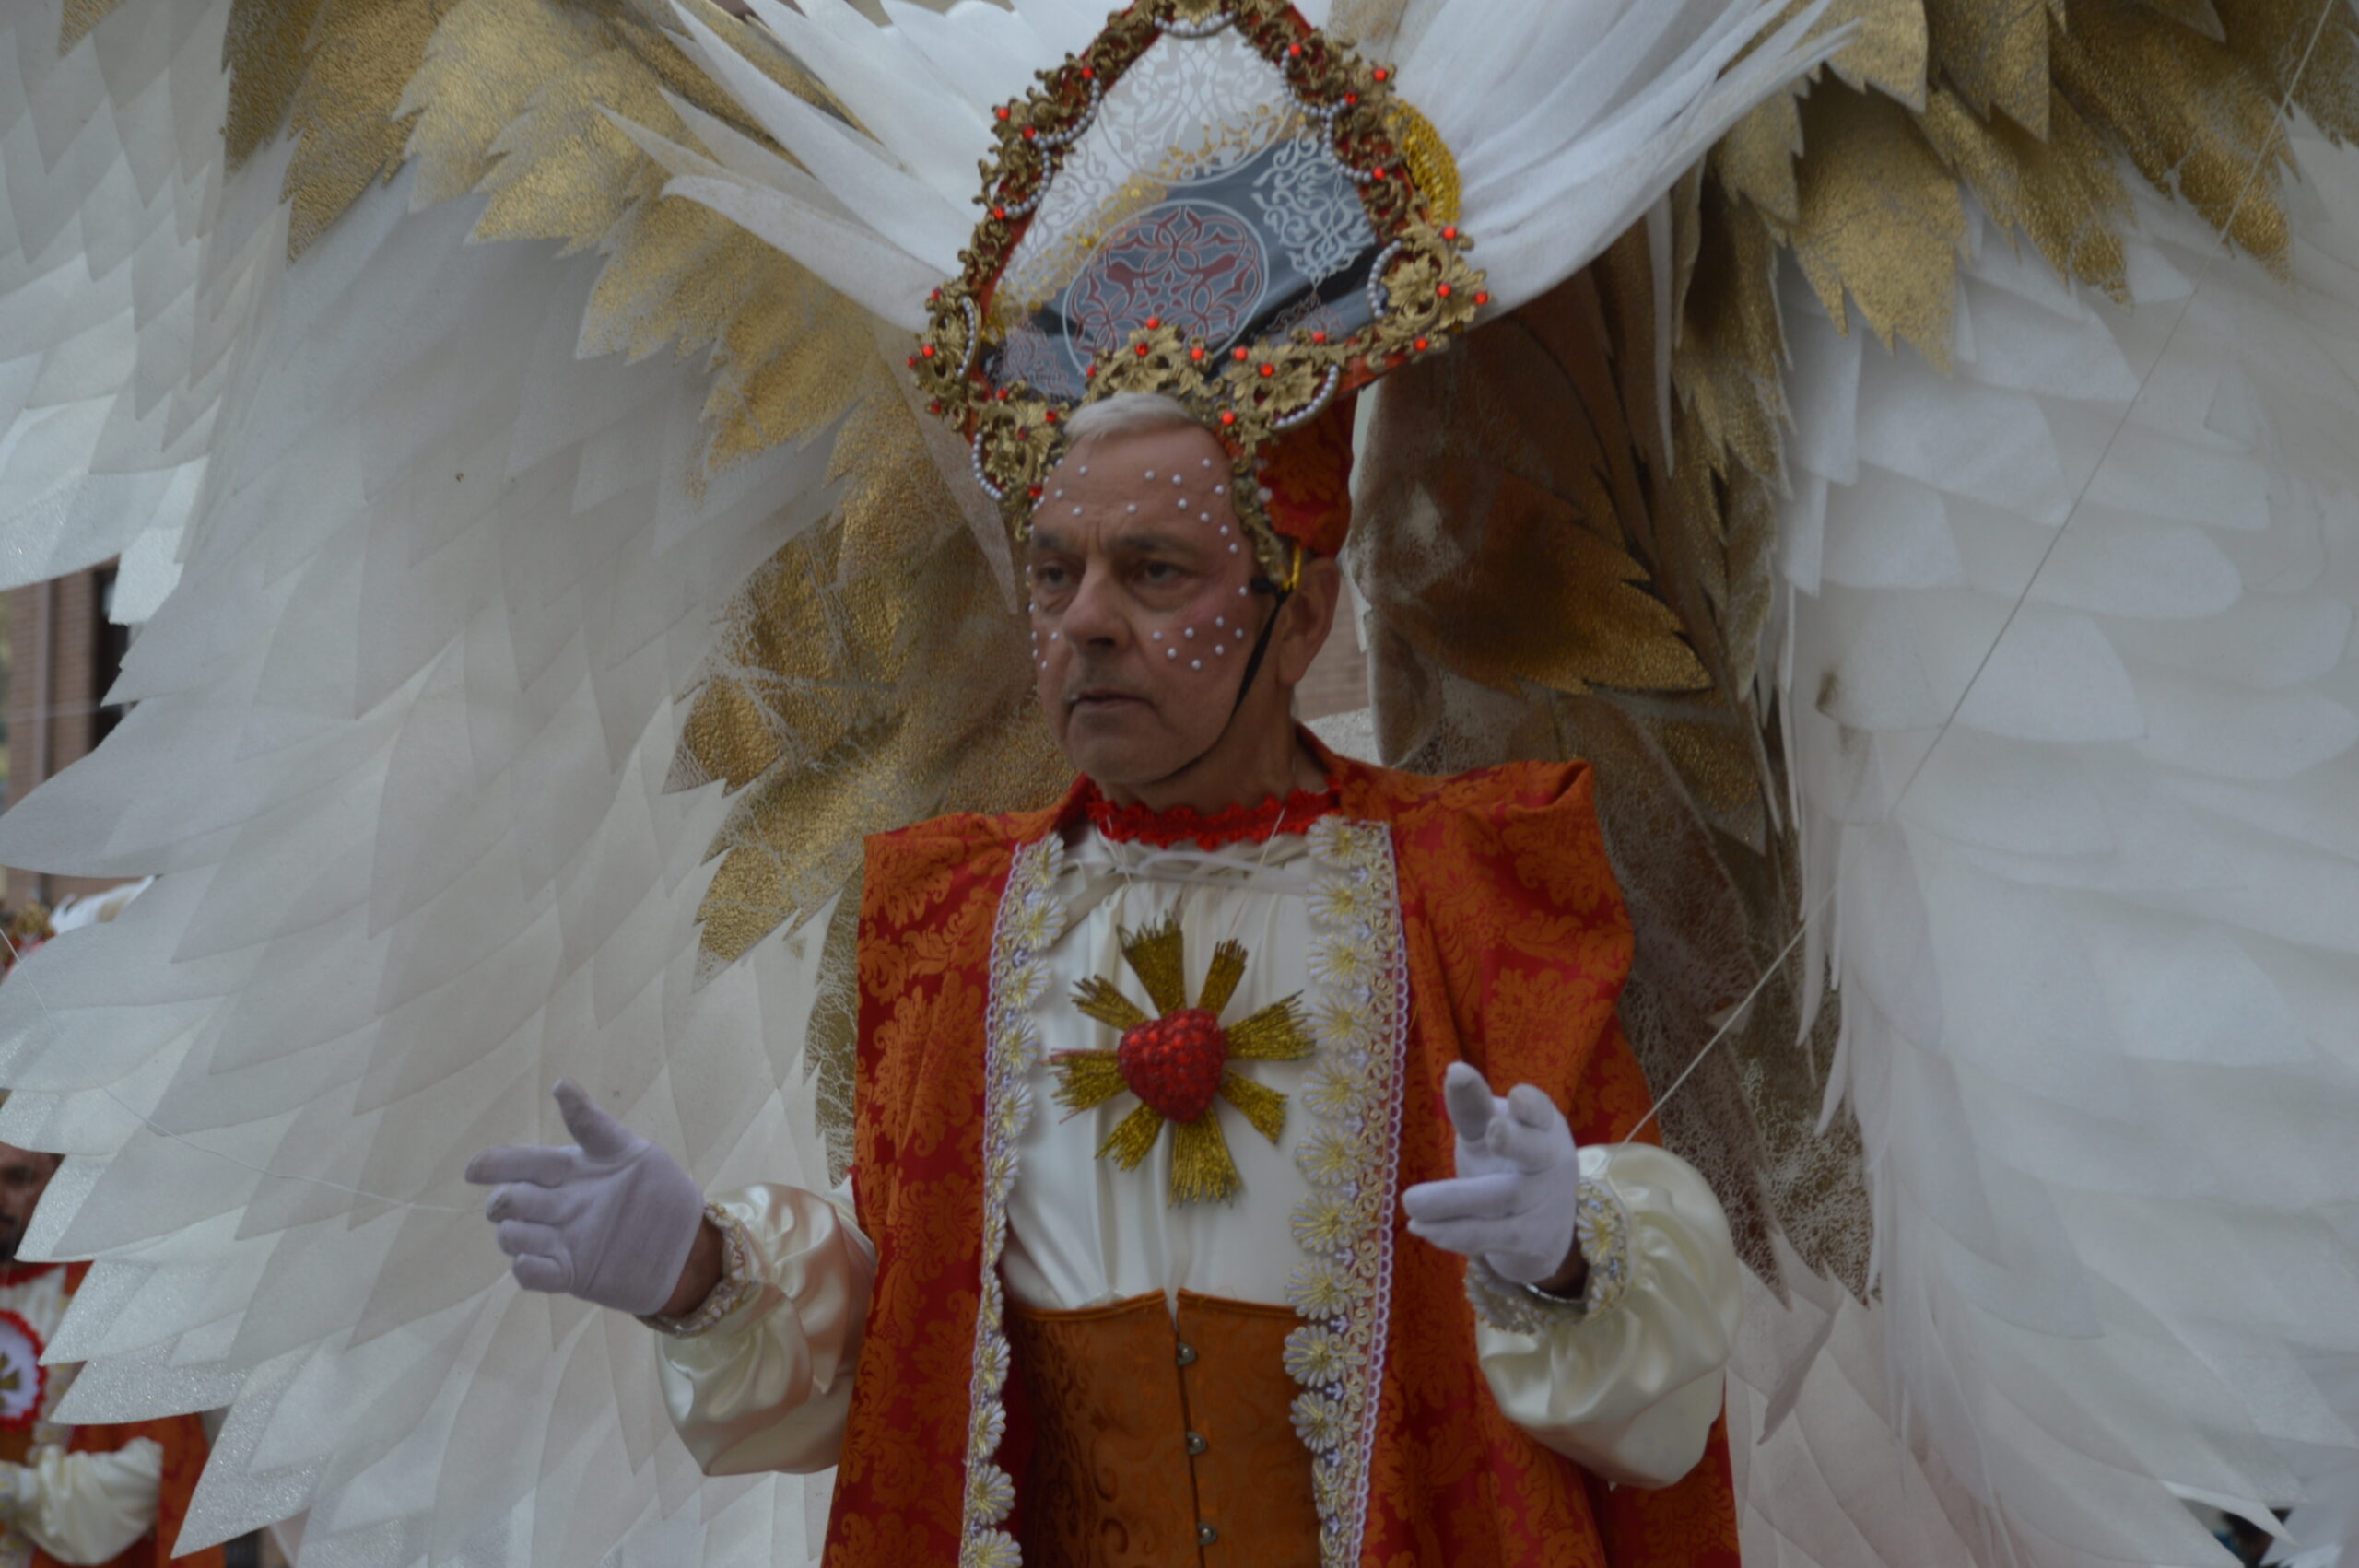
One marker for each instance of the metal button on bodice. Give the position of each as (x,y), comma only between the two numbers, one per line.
(1206,1535)
(1187,1355)
(1196,1444)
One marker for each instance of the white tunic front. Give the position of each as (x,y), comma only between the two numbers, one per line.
(1083,1232)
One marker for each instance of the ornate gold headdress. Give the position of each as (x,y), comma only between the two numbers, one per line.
(1223,206)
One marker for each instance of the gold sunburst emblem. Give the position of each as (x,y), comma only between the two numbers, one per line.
(1177,1062)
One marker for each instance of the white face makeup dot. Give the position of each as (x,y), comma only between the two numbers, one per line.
(1158,636)
(1220,620)
(1217,489)
(1195,663)
(1224,527)
(1232,549)
(1183,503)
(1150,473)
(1190,633)
(1130,506)
(1085,468)
(1077,511)
(1175,479)
(1171,653)
(1053,635)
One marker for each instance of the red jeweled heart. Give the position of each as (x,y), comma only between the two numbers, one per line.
(1173,1062)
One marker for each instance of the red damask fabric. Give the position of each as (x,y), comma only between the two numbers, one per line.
(1518,947)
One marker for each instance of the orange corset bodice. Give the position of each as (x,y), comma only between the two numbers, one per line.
(1161,1442)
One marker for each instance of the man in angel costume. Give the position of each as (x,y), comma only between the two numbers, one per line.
(1142,1078)
(1858,577)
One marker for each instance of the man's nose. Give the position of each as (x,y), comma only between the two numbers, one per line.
(1094,619)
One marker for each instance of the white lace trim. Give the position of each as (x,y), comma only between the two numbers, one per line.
(1343,1288)
(1601,1224)
(740,1281)
(1031,919)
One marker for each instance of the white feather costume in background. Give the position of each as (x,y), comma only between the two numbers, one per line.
(494,556)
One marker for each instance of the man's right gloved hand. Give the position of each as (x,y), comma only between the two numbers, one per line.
(609,1218)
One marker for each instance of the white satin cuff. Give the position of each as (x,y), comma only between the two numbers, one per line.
(767,1385)
(1627,1383)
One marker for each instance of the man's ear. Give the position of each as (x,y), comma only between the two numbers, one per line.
(1306,619)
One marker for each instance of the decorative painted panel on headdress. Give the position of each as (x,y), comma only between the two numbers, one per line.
(1218,204)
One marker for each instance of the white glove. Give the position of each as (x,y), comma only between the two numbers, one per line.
(1519,1174)
(609,1219)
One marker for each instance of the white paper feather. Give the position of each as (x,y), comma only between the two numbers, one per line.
(2095,981)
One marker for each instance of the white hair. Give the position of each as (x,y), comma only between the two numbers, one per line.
(1125,413)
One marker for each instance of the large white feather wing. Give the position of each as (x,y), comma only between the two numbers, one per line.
(2072,719)
(109,157)
(403,752)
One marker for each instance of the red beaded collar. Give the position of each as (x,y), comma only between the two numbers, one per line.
(1184,825)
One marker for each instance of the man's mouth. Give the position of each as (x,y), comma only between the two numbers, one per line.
(1100,699)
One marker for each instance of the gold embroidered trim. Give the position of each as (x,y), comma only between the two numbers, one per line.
(1343,1289)
(1030,920)
(740,1281)
(1601,1224)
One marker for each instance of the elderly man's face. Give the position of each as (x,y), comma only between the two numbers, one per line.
(24,1175)
(1141,619)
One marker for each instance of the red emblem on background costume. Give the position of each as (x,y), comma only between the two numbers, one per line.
(23,1379)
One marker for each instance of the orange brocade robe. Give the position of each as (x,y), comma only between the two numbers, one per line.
(1516,947)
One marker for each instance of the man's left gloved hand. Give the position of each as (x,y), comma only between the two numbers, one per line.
(1513,1201)
(610,1218)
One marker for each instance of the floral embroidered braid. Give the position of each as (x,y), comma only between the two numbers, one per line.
(1343,1289)
(1030,920)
